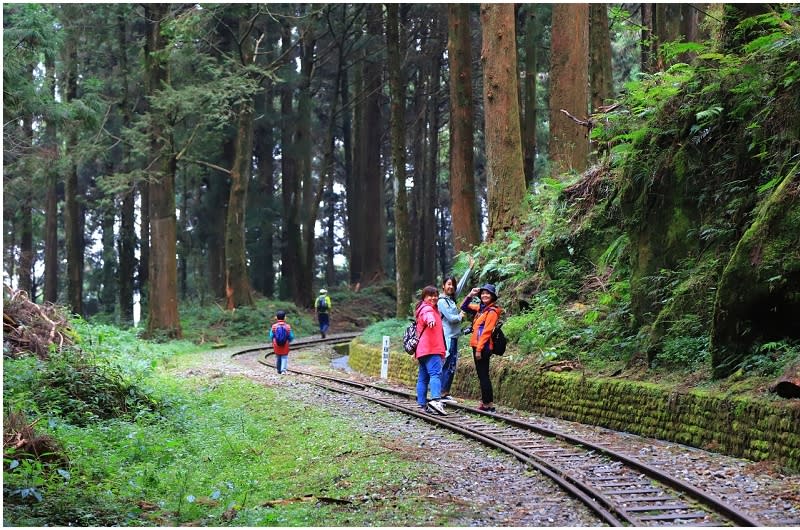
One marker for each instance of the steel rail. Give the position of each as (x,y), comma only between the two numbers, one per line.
(571,484)
(560,480)
(736,516)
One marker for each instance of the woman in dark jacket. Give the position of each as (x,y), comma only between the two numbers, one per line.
(486,315)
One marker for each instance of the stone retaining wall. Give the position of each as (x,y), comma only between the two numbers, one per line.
(753,429)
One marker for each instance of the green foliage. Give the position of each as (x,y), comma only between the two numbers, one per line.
(82,388)
(102,376)
(392,328)
(212,323)
(686,347)
(614,253)
(226,445)
(770,359)
(536,331)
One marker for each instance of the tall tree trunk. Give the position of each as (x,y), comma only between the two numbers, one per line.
(328,165)
(72,218)
(51,198)
(127,231)
(374,248)
(347,155)
(263,258)
(464,206)
(601,74)
(237,280)
(143,272)
(648,55)
(418,198)
(403,273)
(127,257)
(529,99)
(432,161)
(506,174)
(356,213)
(311,196)
(290,235)
(110,288)
(163,274)
(26,252)
(569,88)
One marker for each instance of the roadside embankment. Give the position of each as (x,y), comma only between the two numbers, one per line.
(755,429)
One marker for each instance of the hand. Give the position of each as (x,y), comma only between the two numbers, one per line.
(477,356)
(474,291)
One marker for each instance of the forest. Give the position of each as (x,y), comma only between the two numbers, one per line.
(627,175)
(165,154)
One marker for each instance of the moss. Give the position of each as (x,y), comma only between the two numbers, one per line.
(756,299)
(678,227)
(760,429)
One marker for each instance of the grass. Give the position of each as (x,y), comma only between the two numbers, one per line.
(225,451)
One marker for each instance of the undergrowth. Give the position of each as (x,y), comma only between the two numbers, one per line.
(180,450)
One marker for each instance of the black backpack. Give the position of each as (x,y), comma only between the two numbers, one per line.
(499,340)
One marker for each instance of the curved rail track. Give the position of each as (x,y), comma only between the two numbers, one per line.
(621,490)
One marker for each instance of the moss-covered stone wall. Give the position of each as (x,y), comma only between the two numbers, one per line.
(753,429)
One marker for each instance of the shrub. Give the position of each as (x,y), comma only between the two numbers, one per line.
(393,328)
(81,388)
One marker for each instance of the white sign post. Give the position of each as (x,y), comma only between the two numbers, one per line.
(385,358)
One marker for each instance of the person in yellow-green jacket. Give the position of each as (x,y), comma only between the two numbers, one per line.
(322,309)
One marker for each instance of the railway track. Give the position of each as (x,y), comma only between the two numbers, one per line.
(621,490)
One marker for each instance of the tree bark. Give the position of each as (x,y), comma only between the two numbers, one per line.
(72,225)
(430,167)
(648,56)
(531,73)
(110,288)
(464,206)
(601,73)
(237,280)
(127,231)
(403,274)
(290,189)
(374,246)
(26,251)
(506,173)
(51,198)
(311,195)
(163,273)
(263,201)
(569,88)
(355,192)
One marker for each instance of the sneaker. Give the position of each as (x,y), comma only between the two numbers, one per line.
(486,409)
(449,399)
(438,407)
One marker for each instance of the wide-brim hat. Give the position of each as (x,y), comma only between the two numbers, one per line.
(490,289)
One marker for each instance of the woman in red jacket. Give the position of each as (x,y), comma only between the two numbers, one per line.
(430,351)
(487,314)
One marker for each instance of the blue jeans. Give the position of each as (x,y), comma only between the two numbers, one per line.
(449,368)
(324,322)
(281,363)
(430,373)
